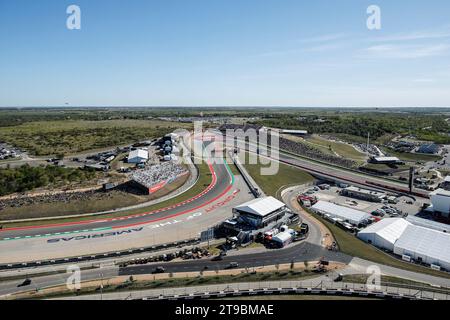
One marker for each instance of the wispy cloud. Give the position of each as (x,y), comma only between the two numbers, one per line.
(406,51)
(416,35)
(321,43)
(424,80)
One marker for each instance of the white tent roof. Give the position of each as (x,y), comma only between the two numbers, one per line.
(440,192)
(138,153)
(387,159)
(428,223)
(282,237)
(261,206)
(389,229)
(447,179)
(426,242)
(340,211)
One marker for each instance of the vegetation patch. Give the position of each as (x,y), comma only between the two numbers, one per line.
(65,137)
(204,180)
(285,176)
(27,178)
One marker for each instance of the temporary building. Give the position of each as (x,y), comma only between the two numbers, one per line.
(425,245)
(283,238)
(340,212)
(138,156)
(384,233)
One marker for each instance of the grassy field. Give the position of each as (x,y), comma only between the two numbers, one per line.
(412,157)
(385,169)
(197,281)
(286,175)
(203,181)
(73,136)
(352,246)
(95,203)
(342,149)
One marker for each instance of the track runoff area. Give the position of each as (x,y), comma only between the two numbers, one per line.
(178,222)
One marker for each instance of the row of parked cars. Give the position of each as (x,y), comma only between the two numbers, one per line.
(387,210)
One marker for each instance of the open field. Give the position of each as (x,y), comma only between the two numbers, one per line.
(64,137)
(97,202)
(352,246)
(203,181)
(286,175)
(412,157)
(342,149)
(27,178)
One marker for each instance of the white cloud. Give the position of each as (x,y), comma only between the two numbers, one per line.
(417,35)
(406,51)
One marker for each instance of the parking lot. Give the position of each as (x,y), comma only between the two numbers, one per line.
(404,205)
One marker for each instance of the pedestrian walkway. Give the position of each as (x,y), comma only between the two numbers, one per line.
(315,286)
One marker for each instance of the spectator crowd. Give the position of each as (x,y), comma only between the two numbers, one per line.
(157,173)
(309,151)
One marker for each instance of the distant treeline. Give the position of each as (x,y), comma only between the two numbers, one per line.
(426,127)
(26,178)
(425,123)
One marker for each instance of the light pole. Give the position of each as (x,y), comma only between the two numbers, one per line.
(101,286)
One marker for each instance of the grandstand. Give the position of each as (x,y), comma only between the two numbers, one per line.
(153,178)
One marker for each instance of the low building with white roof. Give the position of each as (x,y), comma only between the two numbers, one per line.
(425,245)
(345,214)
(386,160)
(410,241)
(138,156)
(261,211)
(440,202)
(385,233)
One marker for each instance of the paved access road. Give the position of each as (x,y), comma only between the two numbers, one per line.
(300,252)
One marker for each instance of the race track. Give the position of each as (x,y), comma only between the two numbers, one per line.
(181,221)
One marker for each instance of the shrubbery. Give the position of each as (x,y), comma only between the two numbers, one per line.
(27,178)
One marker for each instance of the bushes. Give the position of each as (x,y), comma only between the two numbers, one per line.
(26,178)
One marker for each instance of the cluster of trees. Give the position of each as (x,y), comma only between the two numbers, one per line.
(51,142)
(27,178)
(427,127)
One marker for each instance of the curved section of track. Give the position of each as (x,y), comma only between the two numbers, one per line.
(222,181)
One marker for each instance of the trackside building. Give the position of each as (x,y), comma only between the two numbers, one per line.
(410,241)
(336,212)
(384,233)
(440,201)
(260,212)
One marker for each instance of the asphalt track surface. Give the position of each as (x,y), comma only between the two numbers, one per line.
(301,252)
(220,185)
(320,169)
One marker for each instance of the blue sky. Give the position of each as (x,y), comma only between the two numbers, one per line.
(225,53)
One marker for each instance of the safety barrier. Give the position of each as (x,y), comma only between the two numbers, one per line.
(12,266)
(323,288)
